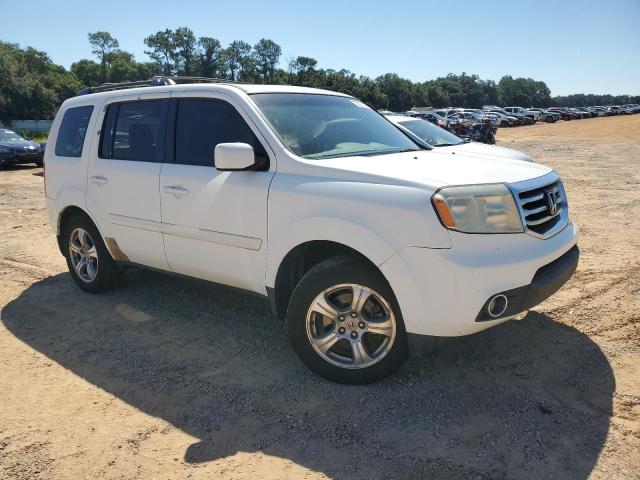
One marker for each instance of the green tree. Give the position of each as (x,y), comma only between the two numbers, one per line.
(438,96)
(162,50)
(102,44)
(124,68)
(185,55)
(525,92)
(31,85)
(267,54)
(211,58)
(88,72)
(397,90)
(238,60)
(302,70)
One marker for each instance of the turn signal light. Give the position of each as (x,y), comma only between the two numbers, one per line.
(443,212)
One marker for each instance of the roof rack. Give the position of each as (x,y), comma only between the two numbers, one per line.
(155,81)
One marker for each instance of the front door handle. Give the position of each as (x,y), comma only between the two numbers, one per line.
(99,180)
(176,190)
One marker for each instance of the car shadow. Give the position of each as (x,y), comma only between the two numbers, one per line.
(529,399)
(18,167)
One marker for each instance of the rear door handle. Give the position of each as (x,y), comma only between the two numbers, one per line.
(176,190)
(99,180)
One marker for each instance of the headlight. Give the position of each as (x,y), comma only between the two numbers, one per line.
(5,150)
(478,209)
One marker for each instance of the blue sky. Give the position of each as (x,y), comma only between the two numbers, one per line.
(574,46)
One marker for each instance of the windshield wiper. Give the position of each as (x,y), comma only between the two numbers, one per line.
(387,152)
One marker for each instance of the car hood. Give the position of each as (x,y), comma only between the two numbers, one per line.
(429,168)
(485,150)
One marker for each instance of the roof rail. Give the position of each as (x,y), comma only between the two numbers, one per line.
(155,81)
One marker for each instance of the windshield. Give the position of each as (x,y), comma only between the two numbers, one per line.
(9,136)
(326,126)
(430,133)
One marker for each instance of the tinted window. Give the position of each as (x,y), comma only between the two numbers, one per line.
(72,131)
(134,131)
(108,130)
(201,124)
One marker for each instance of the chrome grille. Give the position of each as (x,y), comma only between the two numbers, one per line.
(543,208)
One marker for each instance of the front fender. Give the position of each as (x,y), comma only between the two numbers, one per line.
(374,219)
(337,230)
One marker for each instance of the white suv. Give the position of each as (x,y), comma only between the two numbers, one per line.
(369,242)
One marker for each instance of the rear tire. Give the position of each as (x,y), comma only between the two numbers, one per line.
(345,323)
(89,262)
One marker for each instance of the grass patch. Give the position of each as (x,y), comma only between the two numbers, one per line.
(34,136)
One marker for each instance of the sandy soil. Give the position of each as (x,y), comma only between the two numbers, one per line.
(172,378)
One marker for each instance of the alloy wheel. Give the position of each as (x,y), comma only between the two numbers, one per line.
(351,326)
(83,255)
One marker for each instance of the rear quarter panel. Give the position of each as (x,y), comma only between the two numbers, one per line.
(66,177)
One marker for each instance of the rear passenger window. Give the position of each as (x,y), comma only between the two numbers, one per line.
(72,131)
(134,131)
(201,124)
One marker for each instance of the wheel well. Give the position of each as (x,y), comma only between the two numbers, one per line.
(298,262)
(64,217)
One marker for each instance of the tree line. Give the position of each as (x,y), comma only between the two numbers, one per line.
(32,86)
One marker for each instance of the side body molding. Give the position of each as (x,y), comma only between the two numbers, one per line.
(229,239)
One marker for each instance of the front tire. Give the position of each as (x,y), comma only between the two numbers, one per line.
(89,262)
(345,324)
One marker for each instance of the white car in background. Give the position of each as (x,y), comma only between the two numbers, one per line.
(498,120)
(446,141)
(527,113)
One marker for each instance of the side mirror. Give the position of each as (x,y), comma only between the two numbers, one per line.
(234,156)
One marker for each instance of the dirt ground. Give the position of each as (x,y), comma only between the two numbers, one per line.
(173,378)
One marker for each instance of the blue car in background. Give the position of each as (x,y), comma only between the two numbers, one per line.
(15,149)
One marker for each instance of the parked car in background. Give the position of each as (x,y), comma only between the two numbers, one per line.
(546,115)
(597,111)
(565,113)
(527,113)
(477,111)
(446,112)
(502,120)
(446,141)
(591,113)
(522,119)
(580,113)
(617,110)
(465,116)
(15,149)
(432,117)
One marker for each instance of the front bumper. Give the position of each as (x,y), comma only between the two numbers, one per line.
(15,159)
(442,291)
(547,281)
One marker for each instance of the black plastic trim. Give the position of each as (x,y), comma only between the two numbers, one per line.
(551,277)
(273,303)
(547,281)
